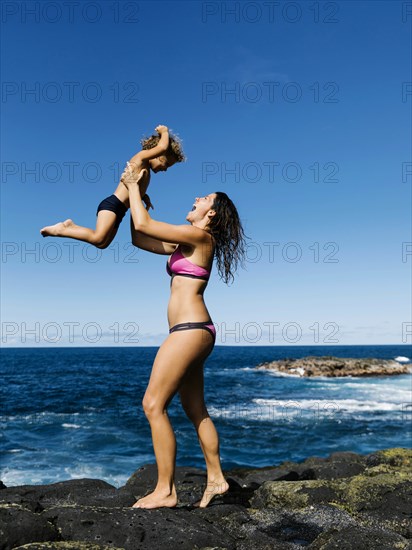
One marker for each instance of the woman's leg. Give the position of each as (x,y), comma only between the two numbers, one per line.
(175,356)
(192,398)
(100,237)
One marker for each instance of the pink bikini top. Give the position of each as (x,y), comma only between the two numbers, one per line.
(179,265)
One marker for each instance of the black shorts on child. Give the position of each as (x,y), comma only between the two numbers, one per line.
(113,204)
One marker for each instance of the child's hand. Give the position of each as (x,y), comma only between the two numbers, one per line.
(161,129)
(147,201)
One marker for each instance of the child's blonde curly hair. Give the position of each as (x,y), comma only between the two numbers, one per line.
(174,150)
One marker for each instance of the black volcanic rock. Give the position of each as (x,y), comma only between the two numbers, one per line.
(19,526)
(359,537)
(336,366)
(133,528)
(65,493)
(64,545)
(345,501)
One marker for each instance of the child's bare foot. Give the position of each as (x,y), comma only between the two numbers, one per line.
(56,230)
(157,500)
(212,490)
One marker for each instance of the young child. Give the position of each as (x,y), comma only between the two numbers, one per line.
(159,153)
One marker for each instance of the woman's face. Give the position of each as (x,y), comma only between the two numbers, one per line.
(201,207)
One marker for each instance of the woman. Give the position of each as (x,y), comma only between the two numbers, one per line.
(178,367)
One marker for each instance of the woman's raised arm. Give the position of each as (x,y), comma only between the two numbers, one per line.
(169,233)
(149,243)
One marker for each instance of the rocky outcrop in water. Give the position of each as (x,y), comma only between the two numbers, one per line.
(336,366)
(346,501)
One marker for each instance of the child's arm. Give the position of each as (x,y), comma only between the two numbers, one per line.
(139,161)
(160,149)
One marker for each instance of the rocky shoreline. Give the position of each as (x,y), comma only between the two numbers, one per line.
(336,366)
(345,501)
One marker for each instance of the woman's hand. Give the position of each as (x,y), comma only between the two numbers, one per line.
(161,129)
(129,179)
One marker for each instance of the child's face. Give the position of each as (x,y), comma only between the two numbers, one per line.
(161,164)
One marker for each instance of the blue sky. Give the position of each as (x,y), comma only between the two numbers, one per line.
(301,117)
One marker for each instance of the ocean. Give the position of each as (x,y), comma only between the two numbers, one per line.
(76,412)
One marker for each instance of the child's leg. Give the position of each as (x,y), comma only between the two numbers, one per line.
(100,237)
(110,213)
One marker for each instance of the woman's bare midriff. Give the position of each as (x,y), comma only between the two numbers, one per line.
(186,302)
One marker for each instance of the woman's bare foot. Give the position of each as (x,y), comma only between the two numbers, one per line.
(212,490)
(56,230)
(157,500)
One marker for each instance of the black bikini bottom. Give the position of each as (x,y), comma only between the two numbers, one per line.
(206,325)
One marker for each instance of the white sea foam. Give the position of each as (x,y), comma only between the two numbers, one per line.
(74,426)
(44,416)
(346,405)
(390,392)
(402,359)
(274,372)
(95,472)
(84,470)
(299,370)
(269,409)
(11,477)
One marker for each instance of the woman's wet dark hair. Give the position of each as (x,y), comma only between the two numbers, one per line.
(175,150)
(230,239)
